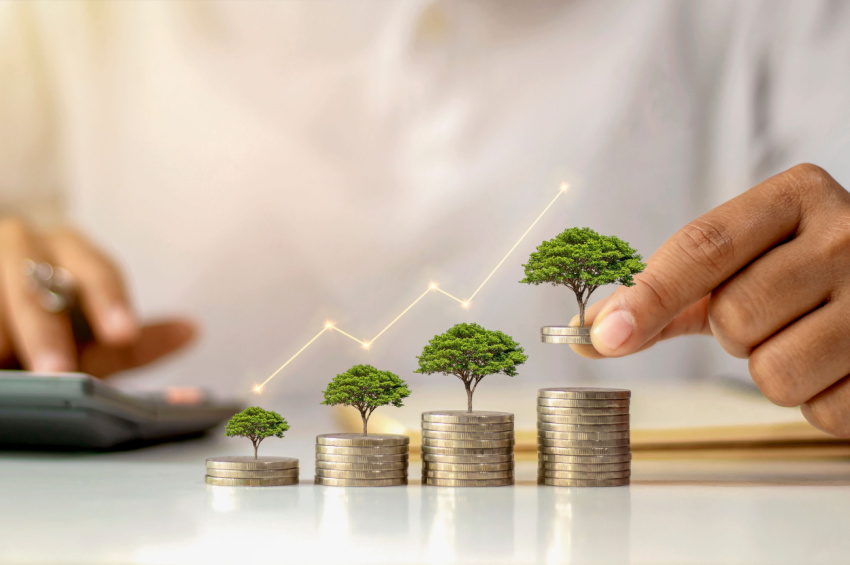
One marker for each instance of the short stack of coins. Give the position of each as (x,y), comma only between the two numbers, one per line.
(565,334)
(357,460)
(583,437)
(467,449)
(249,471)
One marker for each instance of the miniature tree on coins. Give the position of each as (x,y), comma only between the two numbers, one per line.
(366,388)
(256,424)
(471,352)
(582,260)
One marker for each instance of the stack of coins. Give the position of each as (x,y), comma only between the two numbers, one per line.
(252,472)
(583,437)
(467,449)
(565,334)
(357,460)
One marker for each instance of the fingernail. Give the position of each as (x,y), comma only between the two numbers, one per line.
(119,322)
(614,330)
(51,362)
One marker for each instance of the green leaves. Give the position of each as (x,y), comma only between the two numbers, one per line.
(580,258)
(256,424)
(470,351)
(365,387)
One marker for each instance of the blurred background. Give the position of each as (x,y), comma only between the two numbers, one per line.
(266,167)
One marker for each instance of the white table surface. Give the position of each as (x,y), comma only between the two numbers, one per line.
(152,506)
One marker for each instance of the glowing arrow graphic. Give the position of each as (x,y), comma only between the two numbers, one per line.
(366,344)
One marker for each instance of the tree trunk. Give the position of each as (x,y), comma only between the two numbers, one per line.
(580,310)
(256,445)
(365,422)
(469,392)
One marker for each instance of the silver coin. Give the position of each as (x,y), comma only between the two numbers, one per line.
(594,476)
(331,482)
(359,440)
(590,428)
(568,339)
(468,482)
(599,468)
(364,475)
(616,411)
(468,467)
(440,427)
(376,459)
(248,463)
(467,459)
(566,443)
(565,330)
(564,407)
(588,420)
(582,482)
(546,458)
(467,435)
(241,474)
(587,451)
(467,475)
(461,417)
(588,436)
(361,466)
(585,393)
(467,443)
(225,482)
(338,450)
(550,410)
(590,403)
(427,449)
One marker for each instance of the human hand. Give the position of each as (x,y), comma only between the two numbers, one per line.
(38,340)
(768,275)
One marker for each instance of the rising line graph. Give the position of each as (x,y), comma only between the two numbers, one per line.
(432,287)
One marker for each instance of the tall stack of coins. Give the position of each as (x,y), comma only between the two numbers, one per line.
(583,437)
(251,472)
(355,460)
(467,449)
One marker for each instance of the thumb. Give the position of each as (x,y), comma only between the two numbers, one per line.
(154,342)
(693,320)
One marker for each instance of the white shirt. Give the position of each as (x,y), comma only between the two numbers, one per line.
(265,167)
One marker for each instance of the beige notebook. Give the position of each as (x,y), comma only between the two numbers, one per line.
(668,420)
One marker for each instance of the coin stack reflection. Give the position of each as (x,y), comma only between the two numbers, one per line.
(467,449)
(583,437)
(356,460)
(251,471)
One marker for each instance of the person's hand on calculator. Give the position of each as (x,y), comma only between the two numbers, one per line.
(48,278)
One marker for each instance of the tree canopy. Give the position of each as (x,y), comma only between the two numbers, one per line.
(471,352)
(256,424)
(366,388)
(583,260)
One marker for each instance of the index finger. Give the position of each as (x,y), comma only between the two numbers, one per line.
(701,256)
(42,340)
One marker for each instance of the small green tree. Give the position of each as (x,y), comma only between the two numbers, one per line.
(256,424)
(582,260)
(471,352)
(366,388)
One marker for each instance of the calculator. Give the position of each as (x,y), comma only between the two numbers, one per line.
(78,411)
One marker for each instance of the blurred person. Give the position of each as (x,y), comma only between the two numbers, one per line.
(264,167)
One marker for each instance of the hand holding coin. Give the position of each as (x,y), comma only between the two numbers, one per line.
(768,275)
